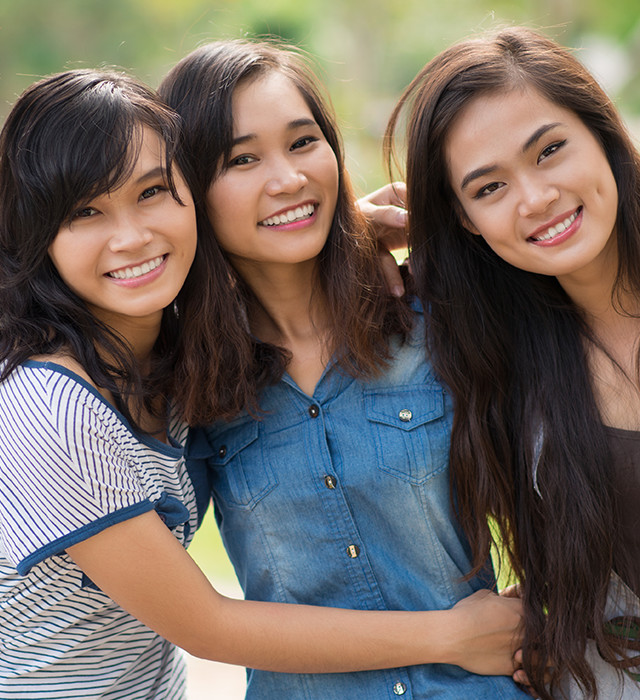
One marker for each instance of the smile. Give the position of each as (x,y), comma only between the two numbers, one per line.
(305,211)
(553,231)
(128,273)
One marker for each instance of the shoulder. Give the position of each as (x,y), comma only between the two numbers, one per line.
(63,361)
(48,399)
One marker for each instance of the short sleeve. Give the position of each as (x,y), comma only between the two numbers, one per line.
(65,471)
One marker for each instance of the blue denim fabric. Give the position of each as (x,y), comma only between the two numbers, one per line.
(342,499)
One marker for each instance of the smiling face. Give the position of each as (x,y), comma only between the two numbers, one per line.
(274,202)
(534,182)
(127,253)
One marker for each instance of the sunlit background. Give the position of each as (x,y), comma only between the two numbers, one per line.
(366,52)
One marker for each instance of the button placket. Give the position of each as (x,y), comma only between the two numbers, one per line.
(405,415)
(353,551)
(330,481)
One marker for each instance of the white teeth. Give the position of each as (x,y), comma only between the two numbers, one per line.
(302,212)
(128,273)
(558,228)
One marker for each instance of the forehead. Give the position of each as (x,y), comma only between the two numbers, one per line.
(495,127)
(265,100)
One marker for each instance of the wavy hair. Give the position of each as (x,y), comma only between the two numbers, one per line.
(70,138)
(363,316)
(528,445)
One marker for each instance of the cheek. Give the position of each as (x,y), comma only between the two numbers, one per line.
(64,254)
(224,202)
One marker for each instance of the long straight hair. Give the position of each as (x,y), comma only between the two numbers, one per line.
(363,315)
(528,446)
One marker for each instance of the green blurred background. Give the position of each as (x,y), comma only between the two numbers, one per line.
(366,51)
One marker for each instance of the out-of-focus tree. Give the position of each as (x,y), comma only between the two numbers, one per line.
(367,50)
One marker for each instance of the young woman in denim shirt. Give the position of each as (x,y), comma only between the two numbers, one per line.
(330,476)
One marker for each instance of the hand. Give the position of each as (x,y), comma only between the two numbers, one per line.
(487,633)
(512,591)
(520,676)
(385,211)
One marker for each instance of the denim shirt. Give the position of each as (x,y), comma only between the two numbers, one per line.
(342,499)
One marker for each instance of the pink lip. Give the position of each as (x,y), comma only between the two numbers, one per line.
(143,279)
(293,225)
(559,237)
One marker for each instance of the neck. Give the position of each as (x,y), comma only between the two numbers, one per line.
(140,334)
(289,306)
(592,288)
(292,314)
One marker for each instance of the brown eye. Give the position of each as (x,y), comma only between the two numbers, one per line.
(305,141)
(152,191)
(488,189)
(84,213)
(550,150)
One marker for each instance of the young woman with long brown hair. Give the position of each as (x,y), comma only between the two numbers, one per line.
(331,485)
(523,192)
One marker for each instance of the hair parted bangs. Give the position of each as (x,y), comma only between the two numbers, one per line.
(201,87)
(72,137)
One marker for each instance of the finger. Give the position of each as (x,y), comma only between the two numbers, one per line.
(399,193)
(394,193)
(384,216)
(391,273)
(513,591)
(392,216)
(521,677)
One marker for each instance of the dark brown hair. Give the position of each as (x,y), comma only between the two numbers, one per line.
(69,138)
(528,446)
(200,88)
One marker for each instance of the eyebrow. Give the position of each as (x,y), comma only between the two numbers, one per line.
(159,171)
(291,126)
(531,141)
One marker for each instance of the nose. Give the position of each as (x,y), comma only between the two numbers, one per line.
(129,234)
(285,177)
(536,196)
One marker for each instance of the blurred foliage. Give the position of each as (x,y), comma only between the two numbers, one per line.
(366,50)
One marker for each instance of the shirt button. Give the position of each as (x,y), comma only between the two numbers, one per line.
(399,688)
(405,415)
(314,411)
(353,550)
(222,451)
(330,482)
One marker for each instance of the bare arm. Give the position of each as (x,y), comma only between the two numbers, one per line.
(144,569)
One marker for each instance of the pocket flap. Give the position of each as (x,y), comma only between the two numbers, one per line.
(405,409)
(227,442)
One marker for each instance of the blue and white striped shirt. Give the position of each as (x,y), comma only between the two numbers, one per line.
(71,466)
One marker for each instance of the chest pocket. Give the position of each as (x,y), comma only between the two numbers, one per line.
(410,431)
(241,476)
